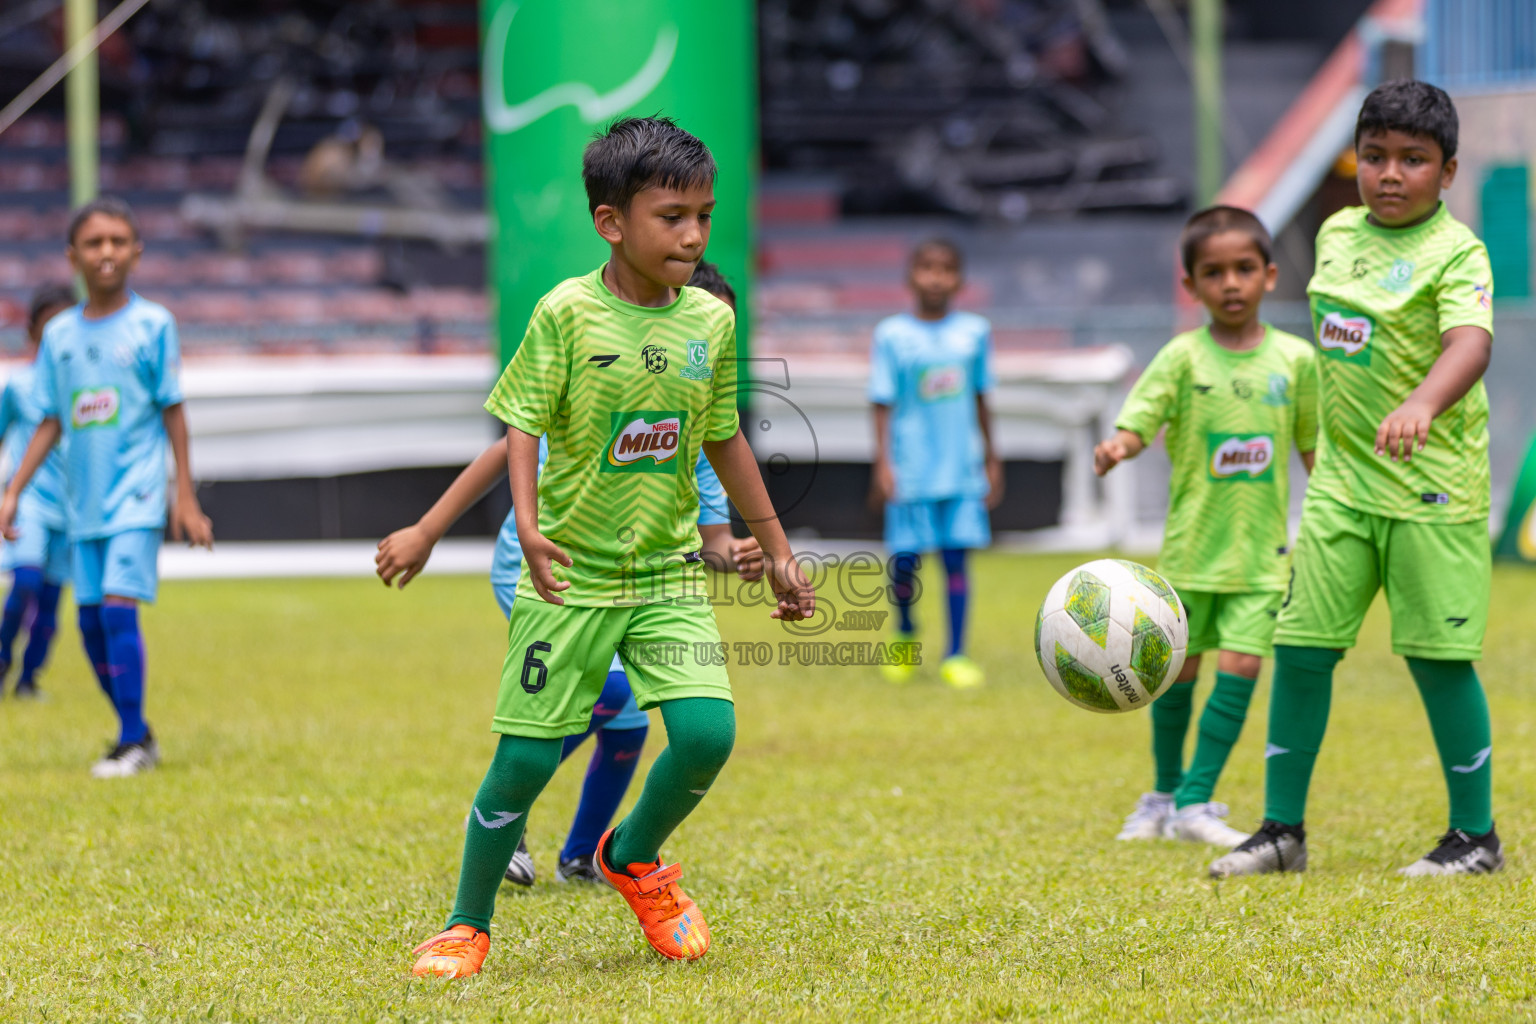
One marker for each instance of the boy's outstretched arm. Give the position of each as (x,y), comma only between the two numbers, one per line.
(538,550)
(404,553)
(43,439)
(993,464)
(187,520)
(1464,355)
(738,472)
(1126,444)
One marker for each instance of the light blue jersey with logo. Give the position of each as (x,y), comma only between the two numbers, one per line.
(929,372)
(507,562)
(43,500)
(107,382)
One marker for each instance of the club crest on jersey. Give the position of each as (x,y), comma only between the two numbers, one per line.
(1242,456)
(1342,334)
(644,441)
(698,367)
(1399,276)
(94,407)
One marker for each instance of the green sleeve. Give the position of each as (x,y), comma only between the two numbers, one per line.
(530,390)
(1153,397)
(1464,293)
(722,422)
(1305,437)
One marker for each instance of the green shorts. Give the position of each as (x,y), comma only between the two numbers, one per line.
(1437,577)
(1244,623)
(558,658)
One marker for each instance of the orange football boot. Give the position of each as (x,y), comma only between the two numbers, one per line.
(455,953)
(671,921)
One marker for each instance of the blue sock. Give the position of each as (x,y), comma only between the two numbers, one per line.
(44,624)
(125,654)
(608,776)
(614,696)
(904,588)
(26,584)
(959,592)
(93,636)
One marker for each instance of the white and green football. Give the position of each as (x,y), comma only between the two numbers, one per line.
(1111,635)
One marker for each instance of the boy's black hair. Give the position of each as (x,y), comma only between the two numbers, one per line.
(707,276)
(636,153)
(1214,220)
(938,242)
(1408,105)
(109,205)
(47,296)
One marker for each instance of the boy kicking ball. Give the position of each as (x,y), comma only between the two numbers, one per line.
(934,467)
(39,558)
(1236,395)
(629,374)
(1402,306)
(109,383)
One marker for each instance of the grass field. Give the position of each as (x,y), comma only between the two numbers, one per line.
(871,853)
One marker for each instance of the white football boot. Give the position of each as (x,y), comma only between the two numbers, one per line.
(1203,823)
(1149,817)
(1274,847)
(1459,854)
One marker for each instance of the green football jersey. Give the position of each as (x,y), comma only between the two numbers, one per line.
(1381,299)
(1232,419)
(626,395)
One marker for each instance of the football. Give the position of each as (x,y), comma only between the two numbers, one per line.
(1111,635)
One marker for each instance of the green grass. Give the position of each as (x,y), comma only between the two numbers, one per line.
(871,852)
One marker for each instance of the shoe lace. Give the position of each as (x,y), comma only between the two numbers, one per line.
(118,751)
(1454,845)
(662,892)
(1147,807)
(451,944)
(1269,834)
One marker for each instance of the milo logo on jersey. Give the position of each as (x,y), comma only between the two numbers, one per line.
(940,382)
(94,407)
(1343,334)
(1241,456)
(646,441)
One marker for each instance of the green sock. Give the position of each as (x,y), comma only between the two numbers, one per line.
(1170,723)
(700,734)
(1458,717)
(1299,699)
(520,770)
(1221,723)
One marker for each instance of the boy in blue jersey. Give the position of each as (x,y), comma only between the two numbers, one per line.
(618,724)
(39,558)
(934,467)
(109,383)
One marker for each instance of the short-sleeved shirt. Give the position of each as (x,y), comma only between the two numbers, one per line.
(1381,298)
(929,372)
(507,560)
(19,417)
(627,395)
(108,381)
(1233,418)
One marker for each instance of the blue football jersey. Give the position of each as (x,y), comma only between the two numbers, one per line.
(929,372)
(507,562)
(107,382)
(43,498)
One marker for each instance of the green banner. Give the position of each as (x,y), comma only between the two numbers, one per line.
(555,71)
(1518,541)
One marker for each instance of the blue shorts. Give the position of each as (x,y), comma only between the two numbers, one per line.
(125,564)
(920,526)
(630,717)
(39,546)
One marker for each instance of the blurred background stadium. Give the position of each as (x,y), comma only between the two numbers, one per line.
(312,178)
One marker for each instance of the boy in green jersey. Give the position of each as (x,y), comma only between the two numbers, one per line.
(1402,302)
(1236,395)
(629,374)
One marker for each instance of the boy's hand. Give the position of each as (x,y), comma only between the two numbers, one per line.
(540,551)
(994,481)
(1405,425)
(1109,454)
(8,518)
(403,553)
(747,556)
(797,600)
(189,524)
(884,481)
